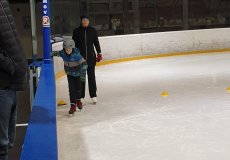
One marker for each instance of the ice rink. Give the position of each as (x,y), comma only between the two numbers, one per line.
(132,121)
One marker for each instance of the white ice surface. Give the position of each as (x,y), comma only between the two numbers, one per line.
(133,122)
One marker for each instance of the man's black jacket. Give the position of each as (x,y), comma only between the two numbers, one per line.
(13,64)
(86,39)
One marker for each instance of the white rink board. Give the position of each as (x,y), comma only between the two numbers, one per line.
(116,47)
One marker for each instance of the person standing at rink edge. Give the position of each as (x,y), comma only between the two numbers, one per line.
(86,38)
(13,77)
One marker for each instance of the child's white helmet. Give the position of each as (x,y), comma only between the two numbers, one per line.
(68,43)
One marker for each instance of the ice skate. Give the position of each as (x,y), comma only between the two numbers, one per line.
(72,110)
(79,105)
(94,99)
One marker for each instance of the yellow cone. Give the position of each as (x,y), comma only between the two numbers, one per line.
(165,94)
(228,89)
(61,103)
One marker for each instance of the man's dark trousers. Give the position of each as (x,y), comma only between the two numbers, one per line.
(91,82)
(7,121)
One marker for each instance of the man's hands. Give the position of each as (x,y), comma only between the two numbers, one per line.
(99,57)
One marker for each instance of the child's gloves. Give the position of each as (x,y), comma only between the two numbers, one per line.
(55,53)
(99,57)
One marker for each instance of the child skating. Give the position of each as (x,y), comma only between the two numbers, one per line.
(75,67)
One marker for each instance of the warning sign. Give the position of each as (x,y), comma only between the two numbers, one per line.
(45,21)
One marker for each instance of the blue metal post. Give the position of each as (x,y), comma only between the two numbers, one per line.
(46,31)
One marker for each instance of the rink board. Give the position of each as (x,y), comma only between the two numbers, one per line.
(41,137)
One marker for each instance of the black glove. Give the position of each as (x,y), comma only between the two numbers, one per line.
(55,53)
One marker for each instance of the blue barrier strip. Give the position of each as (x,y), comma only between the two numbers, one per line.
(41,137)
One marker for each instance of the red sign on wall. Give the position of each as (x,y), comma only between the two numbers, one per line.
(45,21)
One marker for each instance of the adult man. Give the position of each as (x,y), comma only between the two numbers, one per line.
(86,38)
(13,77)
